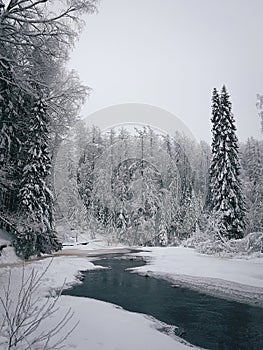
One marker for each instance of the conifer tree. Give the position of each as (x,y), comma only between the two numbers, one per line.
(226,195)
(215,145)
(36,199)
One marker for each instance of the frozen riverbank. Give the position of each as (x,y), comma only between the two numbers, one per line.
(236,279)
(101,325)
(104,326)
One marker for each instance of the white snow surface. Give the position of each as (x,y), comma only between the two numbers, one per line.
(7,255)
(107,327)
(239,279)
(101,326)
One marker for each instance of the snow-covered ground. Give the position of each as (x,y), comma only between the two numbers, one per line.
(106,327)
(238,279)
(7,254)
(101,326)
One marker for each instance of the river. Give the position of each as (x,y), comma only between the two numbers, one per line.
(203,320)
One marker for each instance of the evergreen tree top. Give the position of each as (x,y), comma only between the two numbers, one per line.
(215,106)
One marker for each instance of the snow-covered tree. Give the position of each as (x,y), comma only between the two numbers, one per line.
(252,178)
(226,195)
(34,195)
(35,39)
(216,133)
(69,207)
(10,101)
(86,168)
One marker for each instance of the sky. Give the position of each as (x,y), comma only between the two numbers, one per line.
(171,54)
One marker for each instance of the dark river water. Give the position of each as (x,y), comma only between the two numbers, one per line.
(203,320)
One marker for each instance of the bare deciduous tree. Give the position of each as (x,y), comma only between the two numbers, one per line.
(24,313)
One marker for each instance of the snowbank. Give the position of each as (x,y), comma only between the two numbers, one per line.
(101,325)
(104,326)
(7,253)
(8,256)
(234,278)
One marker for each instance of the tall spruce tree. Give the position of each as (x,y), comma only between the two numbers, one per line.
(225,190)
(216,112)
(35,196)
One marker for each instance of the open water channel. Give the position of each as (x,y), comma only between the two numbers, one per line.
(203,320)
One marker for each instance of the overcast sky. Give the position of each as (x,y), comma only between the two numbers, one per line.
(171,54)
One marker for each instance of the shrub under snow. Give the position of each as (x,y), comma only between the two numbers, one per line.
(216,244)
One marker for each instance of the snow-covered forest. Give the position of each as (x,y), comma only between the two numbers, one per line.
(145,188)
(139,188)
(69,191)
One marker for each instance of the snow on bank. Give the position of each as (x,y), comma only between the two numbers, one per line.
(101,325)
(76,238)
(92,244)
(105,326)
(8,256)
(238,279)
(57,272)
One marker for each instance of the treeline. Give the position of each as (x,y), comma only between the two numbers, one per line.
(141,187)
(145,188)
(39,101)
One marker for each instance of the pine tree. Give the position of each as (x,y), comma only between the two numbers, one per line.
(36,199)
(226,195)
(216,113)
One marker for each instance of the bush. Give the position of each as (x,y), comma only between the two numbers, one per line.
(23,313)
(212,241)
